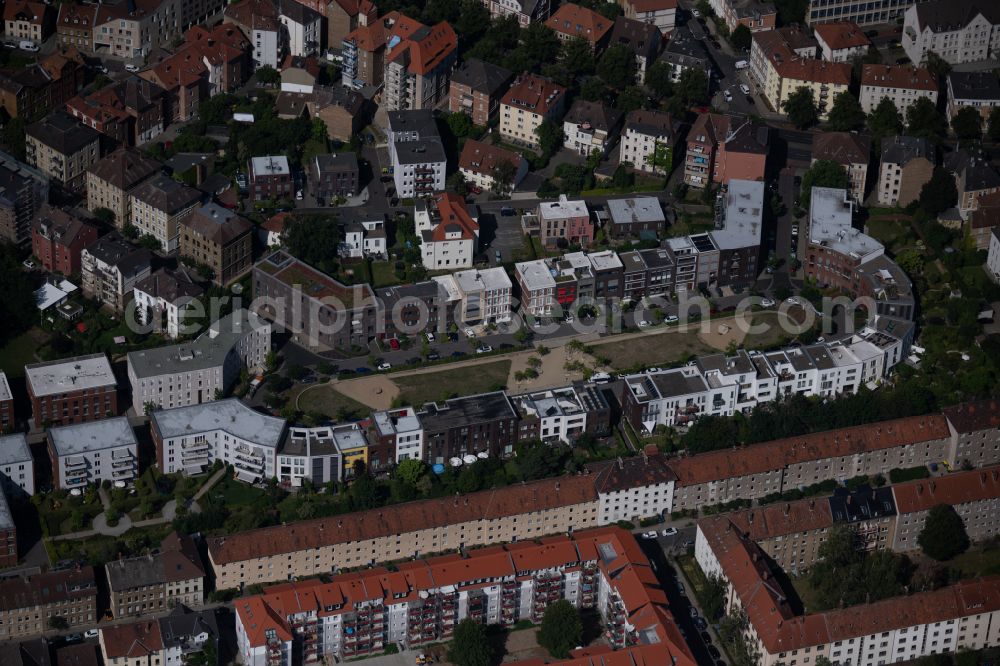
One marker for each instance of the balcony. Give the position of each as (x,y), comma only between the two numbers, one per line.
(121,474)
(195,446)
(75,462)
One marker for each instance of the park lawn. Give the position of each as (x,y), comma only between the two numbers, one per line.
(670,346)
(897,235)
(806,593)
(325,399)
(426,387)
(775,336)
(20,351)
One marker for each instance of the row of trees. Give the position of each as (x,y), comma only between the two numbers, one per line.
(561,630)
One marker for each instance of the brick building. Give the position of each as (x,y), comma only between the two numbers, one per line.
(58,238)
(73,390)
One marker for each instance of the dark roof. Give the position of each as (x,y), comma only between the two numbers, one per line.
(82,654)
(842,147)
(631,472)
(170,285)
(684,49)
(63,133)
(420,121)
(182,624)
(973,416)
(749,137)
(337,162)
(218,224)
(114,250)
(945,15)
(864,503)
(657,123)
(350,100)
(37,652)
(482,76)
(47,588)
(124,168)
(974,85)
(299,12)
(471,409)
(642,38)
(599,116)
(164,193)
(58,224)
(903,149)
(177,560)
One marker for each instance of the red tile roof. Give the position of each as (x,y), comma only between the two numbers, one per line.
(131,641)
(957,488)
(790,65)
(534,93)
(375,35)
(898,76)
(481,157)
(453,215)
(841,35)
(32,12)
(577,21)
(428,49)
(777,454)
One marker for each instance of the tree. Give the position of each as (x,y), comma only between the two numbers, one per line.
(993,130)
(967,124)
(741,38)
(18,295)
(549,135)
(659,79)
(937,66)
(206,656)
(800,107)
(460,125)
(470,645)
(105,216)
(939,193)
(577,58)
(944,535)
(58,622)
(456,183)
(315,240)
(924,120)
(410,471)
(150,242)
(713,597)
(823,173)
(692,86)
(503,178)
(884,120)
(846,115)
(539,45)
(617,66)
(268,75)
(561,630)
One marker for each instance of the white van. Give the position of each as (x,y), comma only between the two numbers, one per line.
(742,64)
(27,45)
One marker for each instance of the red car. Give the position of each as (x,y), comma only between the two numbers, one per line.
(394,343)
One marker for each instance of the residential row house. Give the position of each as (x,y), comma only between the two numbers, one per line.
(175,638)
(901,84)
(551,286)
(219,238)
(660,13)
(156,582)
(907,163)
(32,91)
(110,269)
(63,148)
(850,150)
(159,206)
(28,602)
(590,127)
(129,111)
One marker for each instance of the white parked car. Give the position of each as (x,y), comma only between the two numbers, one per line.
(727,95)
(643,324)
(129,67)
(90,633)
(649,535)
(29,264)
(469,333)
(26,45)
(384,365)
(298,195)
(653,369)
(670,531)
(766,303)
(485,349)
(745,88)
(430,337)
(671,319)
(791,300)
(695,13)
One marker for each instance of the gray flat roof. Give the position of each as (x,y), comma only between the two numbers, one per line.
(71,374)
(830,215)
(635,209)
(744,205)
(207,351)
(230,416)
(14,449)
(92,436)
(270,165)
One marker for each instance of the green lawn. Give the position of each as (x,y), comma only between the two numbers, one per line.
(231,492)
(20,351)
(383,274)
(325,399)
(665,348)
(428,387)
(896,235)
(980,560)
(806,593)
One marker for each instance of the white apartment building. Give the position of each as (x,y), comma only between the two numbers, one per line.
(196,372)
(402,426)
(555,415)
(661,13)
(958,31)
(993,258)
(538,287)
(841,41)
(449,234)
(590,127)
(313,455)
(17,467)
(364,237)
(647,141)
(303,25)
(91,452)
(159,205)
(190,439)
(416,153)
(163,298)
(525,11)
(480,296)
(634,488)
(902,84)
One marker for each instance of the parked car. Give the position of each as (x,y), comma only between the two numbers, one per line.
(469,333)
(727,95)
(671,319)
(600,377)
(434,356)
(90,633)
(29,264)
(129,67)
(27,45)
(695,13)
(670,531)
(73,638)
(649,535)
(766,303)
(745,88)
(643,324)
(693,611)
(791,300)
(713,652)
(507,211)
(497,255)
(385,365)
(701,624)
(484,349)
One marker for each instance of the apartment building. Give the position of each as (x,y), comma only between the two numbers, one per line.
(633,488)
(32,21)
(993,255)
(33,90)
(270,178)
(28,602)
(902,84)
(332,315)
(418,68)
(841,41)
(975,178)
(110,179)
(72,390)
(878,12)
(334,175)
(973,427)
(58,238)
(978,90)
(175,638)
(958,32)
(159,206)
(479,161)
(396,435)
(571,21)
(530,101)
(649,141)
(111,267)
(548,283)
(754,14)
(8,533)
(162,300)
(364,49)
(364,234)
(721,148)
(983,219)
(449,234)
(25,190)
(975,496)
(459,429)
(75,26)
(191,438)
(17,467)
(850,150)
(315,455)
(304,27)
(62,148)
(739,226)
(635,217)
(258,20)
(565,222)
(907,164)
(640,37)
(219,238)
(648,273)
(779,69)
(477,297)
(200,371)
(416,153)
(590,127)
(155,583)
(521,512)
(92,452)
(130,111)
(561,415)
(132,30)
(341,109)
(684,52)
(525,11)
(476,88)
(133,644)
(342,17)
(6,404)
(835,249)
(660,13)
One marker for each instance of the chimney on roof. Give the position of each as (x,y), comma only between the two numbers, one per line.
(920,489)
(788,508)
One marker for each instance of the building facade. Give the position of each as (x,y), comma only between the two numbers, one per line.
(93,452)
(73,390)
